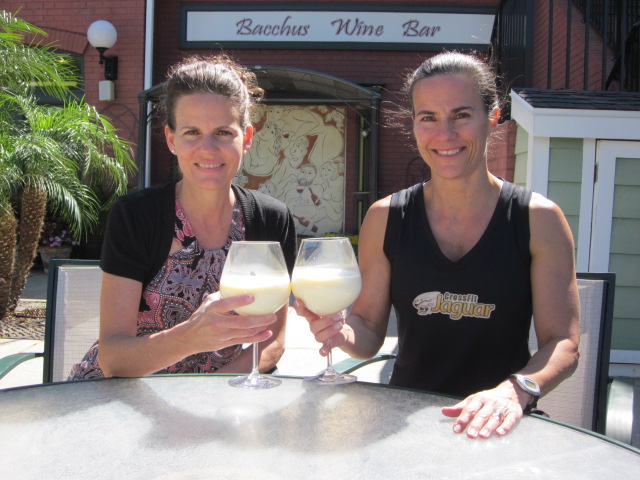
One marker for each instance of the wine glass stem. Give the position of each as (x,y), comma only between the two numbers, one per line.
(330,370)
(254,371)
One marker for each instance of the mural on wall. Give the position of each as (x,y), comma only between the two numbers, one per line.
(297,156)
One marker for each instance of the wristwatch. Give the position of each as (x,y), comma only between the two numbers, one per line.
(530,386)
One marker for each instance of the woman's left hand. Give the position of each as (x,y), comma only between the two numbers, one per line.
(497,410)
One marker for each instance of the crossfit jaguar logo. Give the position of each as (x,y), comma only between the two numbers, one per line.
(454,305)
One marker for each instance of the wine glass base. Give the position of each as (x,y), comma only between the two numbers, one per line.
(254,381)
(331,379)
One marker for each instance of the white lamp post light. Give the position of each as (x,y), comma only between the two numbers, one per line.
(102,36)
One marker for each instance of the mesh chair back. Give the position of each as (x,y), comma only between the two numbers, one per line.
(581,399)
(73,315)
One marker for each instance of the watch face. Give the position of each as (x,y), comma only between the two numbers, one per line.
(527,384)
(531,385)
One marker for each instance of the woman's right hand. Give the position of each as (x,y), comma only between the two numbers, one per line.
(331,328)
(213,327)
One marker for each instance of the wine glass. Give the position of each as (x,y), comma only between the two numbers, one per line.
(326,278)
(257,268)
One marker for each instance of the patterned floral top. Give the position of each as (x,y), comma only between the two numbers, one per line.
(177,290)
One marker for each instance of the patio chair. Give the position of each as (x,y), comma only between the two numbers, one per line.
(72,318)
(588,399)
(581,400)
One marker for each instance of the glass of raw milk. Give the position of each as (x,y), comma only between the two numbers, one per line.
(257,268)
(326,278)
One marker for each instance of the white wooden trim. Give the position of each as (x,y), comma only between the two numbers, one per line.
(607,153)
(623,370)
(610,125)
(625,356)
(530,151)
(538,164)
(603,207)
(624,363)
(575,123)
(522,112)
(586,205)
(625,149)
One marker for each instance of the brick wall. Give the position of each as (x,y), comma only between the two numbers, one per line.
(387,68)
(66,23)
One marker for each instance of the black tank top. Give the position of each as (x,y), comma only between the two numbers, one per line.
(463,326)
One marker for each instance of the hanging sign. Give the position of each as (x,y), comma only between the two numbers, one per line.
(267,26)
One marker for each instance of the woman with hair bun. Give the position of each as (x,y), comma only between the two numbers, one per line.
(165,246)
(466,259)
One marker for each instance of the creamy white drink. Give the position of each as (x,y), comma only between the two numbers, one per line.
(326,290)
(270,292)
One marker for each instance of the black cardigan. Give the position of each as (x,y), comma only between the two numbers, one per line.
(141,225)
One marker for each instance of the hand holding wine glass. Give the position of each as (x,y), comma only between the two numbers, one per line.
(327,279)
(257,268)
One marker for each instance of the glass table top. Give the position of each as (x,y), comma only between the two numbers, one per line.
(196,426)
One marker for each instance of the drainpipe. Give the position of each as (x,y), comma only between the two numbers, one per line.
(148,79)
(374,153)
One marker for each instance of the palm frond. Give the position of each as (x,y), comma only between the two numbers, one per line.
(24,64)
(13,28)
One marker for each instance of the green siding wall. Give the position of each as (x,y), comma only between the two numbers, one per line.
(565,179)
(564,188)
(520,170)
(624,258)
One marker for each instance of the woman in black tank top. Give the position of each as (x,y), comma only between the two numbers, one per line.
(466,259)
